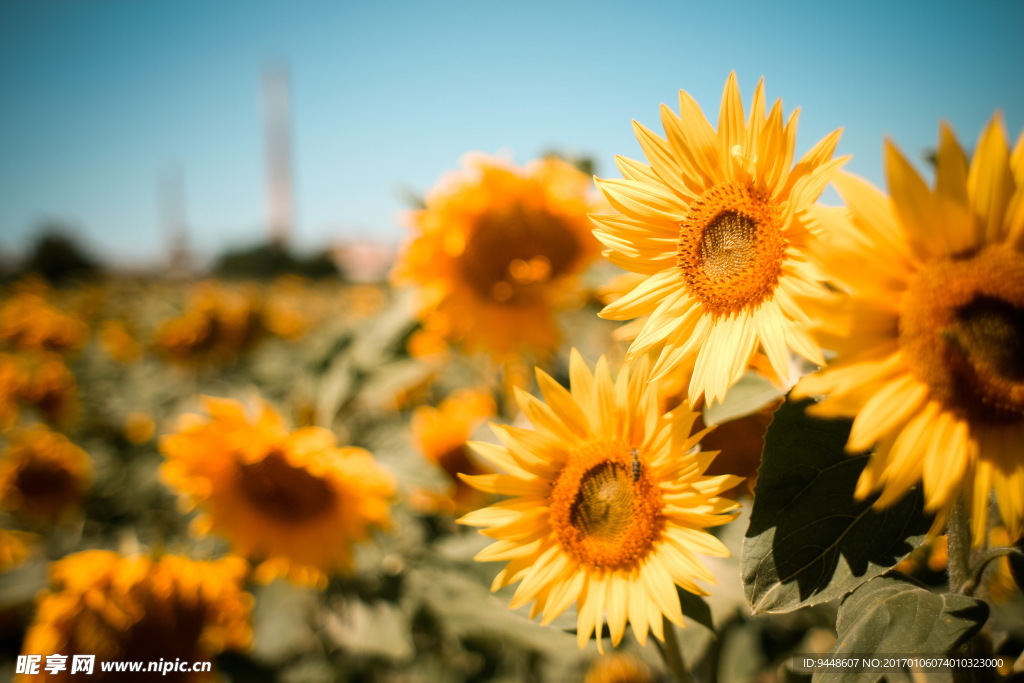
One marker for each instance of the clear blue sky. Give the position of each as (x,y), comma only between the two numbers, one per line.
(97,97)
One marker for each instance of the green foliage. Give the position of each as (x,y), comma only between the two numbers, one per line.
(809,539)
(892,614)
(271,260)
(59,257)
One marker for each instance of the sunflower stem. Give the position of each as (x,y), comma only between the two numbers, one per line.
(958,533)
(673,655)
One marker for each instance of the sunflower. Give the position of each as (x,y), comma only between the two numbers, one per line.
(619,667)
(929,338)
(496,250)
(43,476)
(440,434)
(40,380)
(610,505)
(29,322)
(717,226)
(142,609)
(218,325)
(15,547)
(293,500)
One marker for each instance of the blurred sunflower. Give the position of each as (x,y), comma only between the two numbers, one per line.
(496,251)
(28,322)
(929,338)
(441,433)
(716,224)
(14,548)
(619,667)
(43,476)
(47,384)
(293,500)
(142,609)
(611,506)
(217,325)
(118,341)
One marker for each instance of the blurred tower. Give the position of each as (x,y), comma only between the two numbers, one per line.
(277,119)
(171,190)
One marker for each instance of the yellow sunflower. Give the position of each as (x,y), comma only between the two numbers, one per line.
(141,609)
(29,322)
(929,337)
(619,667)
(15,547)
(496,250)
(293,500)
(440,434)
(716,224)
(43,476)
(610,503)
(218,324)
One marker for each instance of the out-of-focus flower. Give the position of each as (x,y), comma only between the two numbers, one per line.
(15,547)
(218,324)
(28,322)
(929,338)
(43,476)
(118,342)
(139,427)
(611,506)
(441,433)
(292,500)
(619,667)
(39,380)
(716,225)
(496,251)
(141,609)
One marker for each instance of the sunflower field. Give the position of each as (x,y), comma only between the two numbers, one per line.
(686,424)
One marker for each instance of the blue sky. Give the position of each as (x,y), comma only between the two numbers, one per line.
(99,97)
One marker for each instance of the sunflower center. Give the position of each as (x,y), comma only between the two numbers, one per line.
(46,489)
(514,252)
(962,332)
(290,494)
(731,248)
(605,507)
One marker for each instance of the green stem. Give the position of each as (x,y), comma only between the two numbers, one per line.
(979,569)
(673,655)
(958,533)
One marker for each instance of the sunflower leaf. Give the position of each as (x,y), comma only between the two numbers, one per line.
(892,614)
(695,608)
(809,540)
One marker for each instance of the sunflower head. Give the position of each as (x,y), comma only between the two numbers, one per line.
(276,494)
(609,504)
(28,322)
(217,325)
(619,667)
(715,227)
(15,547)
(929,338)
(495,251)
(137,608)
(43,476)
(440,434)
(118,342)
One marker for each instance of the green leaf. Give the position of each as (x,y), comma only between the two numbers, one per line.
(695,608)
(751,394)
(809,540)
(893,615)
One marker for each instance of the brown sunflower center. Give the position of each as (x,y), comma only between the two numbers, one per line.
(290,494)
(513,252)
(45,489)
(605,507)
(731,248)
(962,333)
